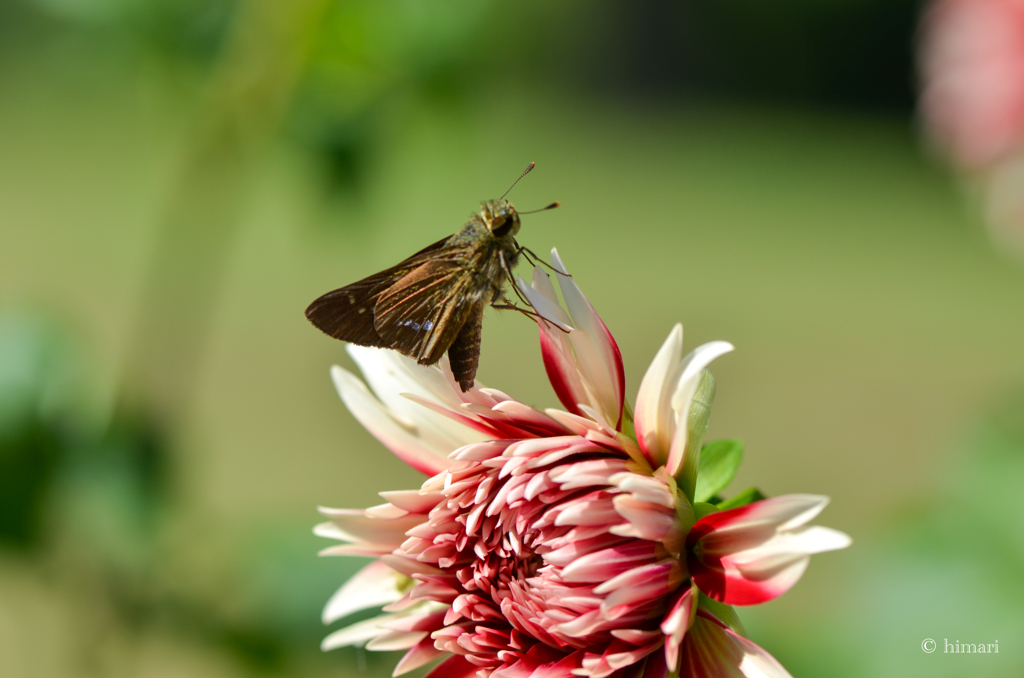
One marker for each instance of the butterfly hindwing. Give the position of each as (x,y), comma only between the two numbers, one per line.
(421,314)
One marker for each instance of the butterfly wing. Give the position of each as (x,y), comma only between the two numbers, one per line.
(416,308)
(347,313)
(421,315)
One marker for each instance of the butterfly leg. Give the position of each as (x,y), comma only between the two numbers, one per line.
(532,257)
(506,305)
(518,292)
(508,274)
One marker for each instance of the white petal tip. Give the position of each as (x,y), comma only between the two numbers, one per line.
(827,539)
(556,262)
(547,310)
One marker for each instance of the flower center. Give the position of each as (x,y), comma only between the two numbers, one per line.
(533,555)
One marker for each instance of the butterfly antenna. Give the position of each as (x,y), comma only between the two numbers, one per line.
(542,209)
(525,172)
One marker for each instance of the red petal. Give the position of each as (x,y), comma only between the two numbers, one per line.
(455,667)
(561,372)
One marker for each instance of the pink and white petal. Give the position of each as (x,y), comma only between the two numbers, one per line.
(413,501)
(731,585)
(758,552)
(597,354)
(561,669)
(355,526)
(427,617)
(422,653)
(497,397)
(359,550)
(576,424)
(636,636)
(357,634)
(676,623)
(691,368)
(392,376)
(602,565)
(500,424)
(662,573)
(653,416)
(481,429)
(541,295)
(582,625)
(477,393)
(525,415)
(408,566)
(614,659)
(779,513)
(399,436)
(556,350)
(804,541)
(593,411)
(536,447)
(644,488)
(713,650)
(389,373)
(588,473)
(567,550)
(373,586)
(386,512)
(594,509)
(647,520)
(759,575)
(533,663)
(396,640)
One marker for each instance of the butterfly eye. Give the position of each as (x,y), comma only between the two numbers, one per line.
(502,228)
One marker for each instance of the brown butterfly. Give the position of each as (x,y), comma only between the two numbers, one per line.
(433,302)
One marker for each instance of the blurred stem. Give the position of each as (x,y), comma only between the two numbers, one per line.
(242,110)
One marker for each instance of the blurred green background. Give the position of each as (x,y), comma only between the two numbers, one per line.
(179,178)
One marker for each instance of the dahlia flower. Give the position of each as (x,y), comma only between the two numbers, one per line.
(557,543)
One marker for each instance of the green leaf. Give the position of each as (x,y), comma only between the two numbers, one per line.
(702,509)
(697,426)
(684,509)
(719,461)
(725,613)
(748,496)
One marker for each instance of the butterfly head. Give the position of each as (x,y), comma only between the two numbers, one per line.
(501,218)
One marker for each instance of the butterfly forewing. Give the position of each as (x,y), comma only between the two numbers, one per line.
(347,313)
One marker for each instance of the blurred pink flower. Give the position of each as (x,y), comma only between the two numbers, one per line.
(972,67)
(551,543)
(972,100)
